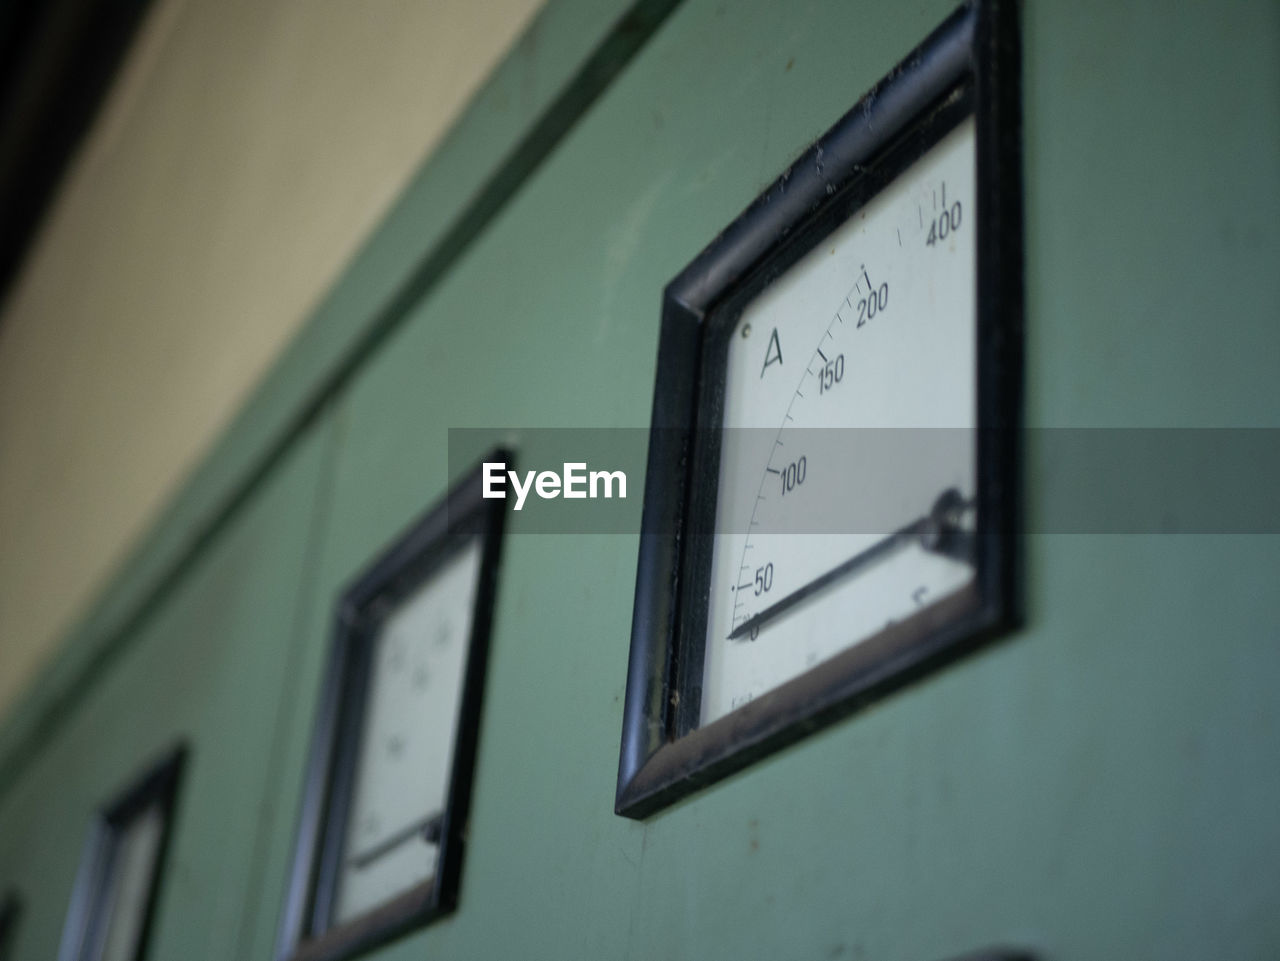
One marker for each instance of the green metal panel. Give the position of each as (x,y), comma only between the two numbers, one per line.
(1097,786)
(211,664)
(1100,785)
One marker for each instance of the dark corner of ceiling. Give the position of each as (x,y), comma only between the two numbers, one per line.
(57,61)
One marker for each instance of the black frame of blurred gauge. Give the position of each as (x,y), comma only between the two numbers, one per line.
(88,915)
(969,66)
(307,931)
(10,911)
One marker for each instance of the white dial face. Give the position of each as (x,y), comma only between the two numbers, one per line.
(406,749)
(133,865)
(840,509)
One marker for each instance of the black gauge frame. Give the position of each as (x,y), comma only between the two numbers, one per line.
(306,932)
(10,911)
(88,913)
(969,66)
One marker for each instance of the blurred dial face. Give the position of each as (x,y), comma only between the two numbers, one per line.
(406,743)
(847,472)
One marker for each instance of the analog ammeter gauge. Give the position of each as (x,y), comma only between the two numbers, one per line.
(381,841)
(831,490)
(118,885)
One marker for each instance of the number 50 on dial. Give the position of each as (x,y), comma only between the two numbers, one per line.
(837,403)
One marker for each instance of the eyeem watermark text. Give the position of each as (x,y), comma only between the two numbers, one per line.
(576,482)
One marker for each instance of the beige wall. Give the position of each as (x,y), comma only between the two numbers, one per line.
(244,152)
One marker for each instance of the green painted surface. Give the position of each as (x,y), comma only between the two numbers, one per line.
(1101,785)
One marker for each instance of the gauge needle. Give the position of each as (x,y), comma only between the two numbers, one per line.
(938,531)
(428,828)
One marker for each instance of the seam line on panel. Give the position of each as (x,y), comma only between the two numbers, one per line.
(301,629)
